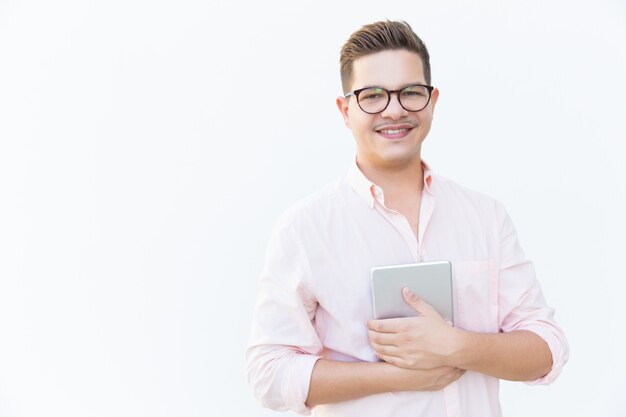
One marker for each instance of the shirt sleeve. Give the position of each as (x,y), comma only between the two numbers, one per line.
(283,345)
(522,305)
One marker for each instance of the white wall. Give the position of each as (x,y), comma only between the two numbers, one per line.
(146,147)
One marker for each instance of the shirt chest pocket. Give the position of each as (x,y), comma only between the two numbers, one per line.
(475,286)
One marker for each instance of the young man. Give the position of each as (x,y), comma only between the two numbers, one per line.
(314,343)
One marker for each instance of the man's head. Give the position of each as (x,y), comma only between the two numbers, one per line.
(389,57)
(377,37)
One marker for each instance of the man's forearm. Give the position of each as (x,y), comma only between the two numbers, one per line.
(334,381)
(515,356)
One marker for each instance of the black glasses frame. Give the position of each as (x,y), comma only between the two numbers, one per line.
(389,93)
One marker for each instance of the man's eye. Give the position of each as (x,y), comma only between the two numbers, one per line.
(372,96)
(411,93)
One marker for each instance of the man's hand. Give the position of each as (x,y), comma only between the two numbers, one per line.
(423,342)
(428,379)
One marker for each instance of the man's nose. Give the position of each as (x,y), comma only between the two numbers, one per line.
(394,110)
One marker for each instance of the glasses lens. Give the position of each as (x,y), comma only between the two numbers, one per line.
(373,100)
(414,98)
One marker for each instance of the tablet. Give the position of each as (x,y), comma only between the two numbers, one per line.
(431,281)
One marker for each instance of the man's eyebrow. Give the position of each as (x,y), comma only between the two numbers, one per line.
(401,87)
(410,84)
(369,86)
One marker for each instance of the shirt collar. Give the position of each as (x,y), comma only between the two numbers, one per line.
(371,192)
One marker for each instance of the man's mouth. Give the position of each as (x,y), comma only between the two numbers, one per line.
(394,132)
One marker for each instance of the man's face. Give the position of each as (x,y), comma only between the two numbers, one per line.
(393,138)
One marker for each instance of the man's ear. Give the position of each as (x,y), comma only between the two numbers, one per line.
(342,105)
(434,96)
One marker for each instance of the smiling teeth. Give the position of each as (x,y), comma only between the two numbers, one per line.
(393,132)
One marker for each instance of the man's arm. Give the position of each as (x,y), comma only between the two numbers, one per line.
(427,341)
(517,356)
(333,381)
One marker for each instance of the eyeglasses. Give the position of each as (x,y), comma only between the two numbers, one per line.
(373,100)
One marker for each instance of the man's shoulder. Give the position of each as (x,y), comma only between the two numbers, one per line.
(316,205)
(453,191)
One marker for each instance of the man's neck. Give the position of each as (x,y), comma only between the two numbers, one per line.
(396,180)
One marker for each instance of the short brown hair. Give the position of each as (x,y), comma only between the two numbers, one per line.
(376,37)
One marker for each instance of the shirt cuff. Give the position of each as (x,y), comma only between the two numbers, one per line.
(558,349)
(296,386)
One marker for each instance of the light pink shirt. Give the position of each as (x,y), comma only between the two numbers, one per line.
(315,292)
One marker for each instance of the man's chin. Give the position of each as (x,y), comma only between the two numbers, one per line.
(399,161)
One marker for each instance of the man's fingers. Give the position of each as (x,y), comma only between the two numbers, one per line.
(387,350)
(413,300)
(382,338)
(394,360)
(458,374)
(387,325)
(455,374)
(419,305)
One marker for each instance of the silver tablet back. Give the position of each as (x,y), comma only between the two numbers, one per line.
(431,281)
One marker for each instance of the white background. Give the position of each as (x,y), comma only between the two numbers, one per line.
(146,148)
